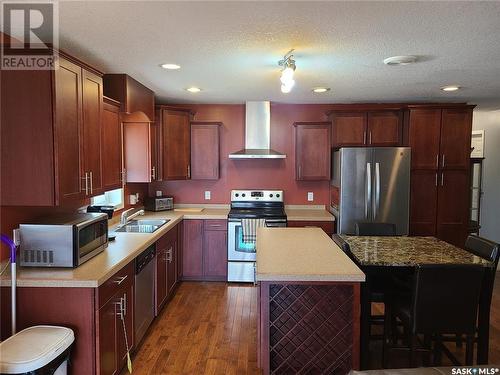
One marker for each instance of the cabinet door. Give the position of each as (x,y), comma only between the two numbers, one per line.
(171,266)
(126,296)
(137,151)
(68,84)
(453,206)
(349,129)
(180,241)
(176,149)
(312,151)
(92,130)
(161,277)
(215,254)
(204,151)
(107,338)
(384,128)
(456,128)
(155,151)
(424,135)
(192,251)
(111,147)
(423,202)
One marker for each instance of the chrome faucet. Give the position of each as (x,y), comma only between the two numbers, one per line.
(129,214)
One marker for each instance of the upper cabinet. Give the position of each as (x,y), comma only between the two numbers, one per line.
(175,142)
(366,128)
(205,150)
(60,157)
(133,95)
(112,173)
(312,150)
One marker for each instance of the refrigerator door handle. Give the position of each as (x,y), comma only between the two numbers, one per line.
(376,202)
(368,188)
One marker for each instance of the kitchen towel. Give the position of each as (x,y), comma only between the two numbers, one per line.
(249,227)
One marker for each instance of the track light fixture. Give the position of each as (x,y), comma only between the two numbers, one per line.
(288,69)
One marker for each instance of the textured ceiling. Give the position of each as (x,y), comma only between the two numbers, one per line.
(231,49)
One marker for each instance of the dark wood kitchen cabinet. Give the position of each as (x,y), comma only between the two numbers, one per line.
(312,151)
(204,250)
(439,138)
(64,158)
(366,128)
(111,145)
(175,142)
(166,267)
(116,299)
(205,150)
(133,95)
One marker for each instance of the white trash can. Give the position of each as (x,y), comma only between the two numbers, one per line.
(37,350)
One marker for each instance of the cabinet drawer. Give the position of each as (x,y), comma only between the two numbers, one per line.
(114,283)
(215,225)
(167,239)
(327,226)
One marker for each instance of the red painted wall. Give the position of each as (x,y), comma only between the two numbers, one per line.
(252,174)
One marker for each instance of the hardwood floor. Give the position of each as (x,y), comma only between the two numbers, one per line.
(211,328)
(207,328)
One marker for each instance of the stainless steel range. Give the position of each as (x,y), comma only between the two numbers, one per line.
(250,204)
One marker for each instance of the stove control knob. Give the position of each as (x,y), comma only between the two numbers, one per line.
(243,195)
(236,195)
(277,195)
(270,195)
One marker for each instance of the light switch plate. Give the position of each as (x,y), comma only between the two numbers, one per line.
(310,196)
(208,195)
(159,193)
(16,235)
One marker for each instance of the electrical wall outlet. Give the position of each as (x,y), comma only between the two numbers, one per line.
(310,196)
(208,195)
(159,193)
(16,237)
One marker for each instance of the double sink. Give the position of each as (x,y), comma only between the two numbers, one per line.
(142,225)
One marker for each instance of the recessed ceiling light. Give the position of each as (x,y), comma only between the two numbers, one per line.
(400,60)
(170,66)
(450,88)
(193,89)
(319,90)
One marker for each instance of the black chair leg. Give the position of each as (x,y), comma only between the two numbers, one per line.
(387,343)
(412,341)
(437,350)
(469,350)
(427,345)
(458,341)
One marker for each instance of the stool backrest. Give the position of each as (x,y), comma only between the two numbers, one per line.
(483,248)
(375,229)
(445,298)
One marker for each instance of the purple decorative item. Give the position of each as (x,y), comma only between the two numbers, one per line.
(6,240)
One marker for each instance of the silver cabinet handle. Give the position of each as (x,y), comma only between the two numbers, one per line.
(436,179)
(376,202)
(437,160)
(189,171)
(86,178)
(125,304)
(120,280)
(91,185)
(442,162)
(370,141)
(442,178)
(153,173)
(364,137)
(169,254)
(300,172)
(368,188)
(124,175)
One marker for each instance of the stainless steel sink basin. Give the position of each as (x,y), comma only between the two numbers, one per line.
(142,226)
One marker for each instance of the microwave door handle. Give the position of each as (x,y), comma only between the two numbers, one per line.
(368,188)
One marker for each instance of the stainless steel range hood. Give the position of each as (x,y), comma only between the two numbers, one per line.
(257,133)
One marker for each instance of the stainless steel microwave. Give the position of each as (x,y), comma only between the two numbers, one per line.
(64,240)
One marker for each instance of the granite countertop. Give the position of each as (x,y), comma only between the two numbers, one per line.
(302,254)
(407,251)
(118,254)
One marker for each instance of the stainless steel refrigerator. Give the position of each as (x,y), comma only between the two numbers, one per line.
(371,185)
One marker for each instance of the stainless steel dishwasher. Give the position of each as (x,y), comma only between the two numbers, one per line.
(144,292)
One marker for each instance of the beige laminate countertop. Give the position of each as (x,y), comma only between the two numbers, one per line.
(308,214)
(302,254)
(118,254)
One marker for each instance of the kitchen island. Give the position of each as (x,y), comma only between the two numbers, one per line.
(309,301)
